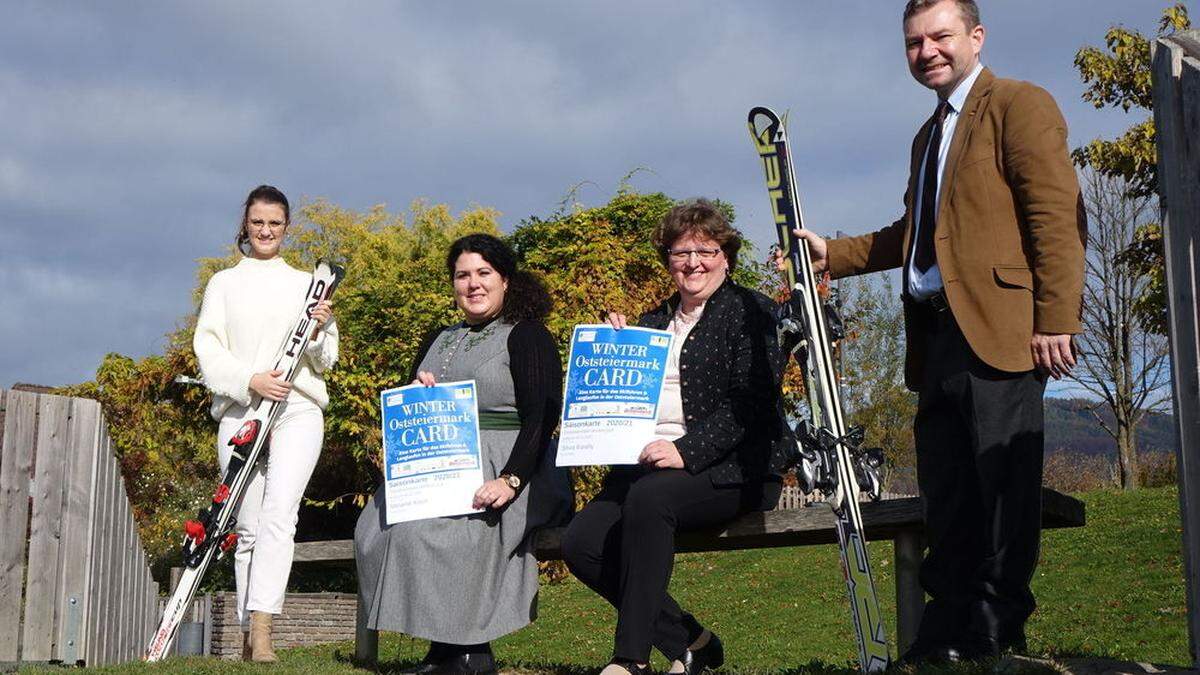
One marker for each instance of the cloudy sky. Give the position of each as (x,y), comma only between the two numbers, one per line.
(130,131)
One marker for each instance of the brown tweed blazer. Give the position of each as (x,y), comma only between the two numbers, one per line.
(1010,227)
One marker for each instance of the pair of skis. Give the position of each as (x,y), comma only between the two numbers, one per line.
(212,534)
(832,457)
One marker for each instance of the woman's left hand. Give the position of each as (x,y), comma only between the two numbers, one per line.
(323,312)
(493,494)
(661,455)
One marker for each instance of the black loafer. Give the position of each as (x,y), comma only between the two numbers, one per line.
(709,657)
(467,664)
(432,661)
(924,652)
(422,668)
(632,667)
(1015,645)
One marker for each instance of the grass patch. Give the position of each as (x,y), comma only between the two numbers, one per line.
(1111,589)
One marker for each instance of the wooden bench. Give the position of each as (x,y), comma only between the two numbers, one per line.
(896,519)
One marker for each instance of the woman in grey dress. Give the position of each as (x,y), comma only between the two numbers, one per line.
(463,581)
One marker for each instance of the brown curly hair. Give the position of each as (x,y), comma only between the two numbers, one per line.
(697,217)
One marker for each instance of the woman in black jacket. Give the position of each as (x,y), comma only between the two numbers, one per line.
(721,443)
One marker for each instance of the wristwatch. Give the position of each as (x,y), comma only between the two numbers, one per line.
(513,482)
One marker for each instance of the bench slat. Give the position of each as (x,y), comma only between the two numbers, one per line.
(769,529)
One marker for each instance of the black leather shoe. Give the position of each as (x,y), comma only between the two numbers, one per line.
(710,656)
(918,653)
(432,661)
(936,654)
(467,664)
(949,655)
(1014,645)
(632,667)
(964,653)
(425,667)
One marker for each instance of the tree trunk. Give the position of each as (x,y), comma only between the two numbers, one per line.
(1127,454)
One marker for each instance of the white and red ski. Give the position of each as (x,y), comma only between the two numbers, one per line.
(211,535)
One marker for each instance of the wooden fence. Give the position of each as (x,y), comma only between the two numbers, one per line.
(76,588)
(1176,89)
(792,497)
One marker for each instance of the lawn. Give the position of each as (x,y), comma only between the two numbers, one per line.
(1112,589)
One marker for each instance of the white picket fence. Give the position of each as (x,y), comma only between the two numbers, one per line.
(74,584)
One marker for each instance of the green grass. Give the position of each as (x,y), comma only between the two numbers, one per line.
(1112,589)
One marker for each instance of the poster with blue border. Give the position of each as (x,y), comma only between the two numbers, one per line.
(431,458)
(610,406)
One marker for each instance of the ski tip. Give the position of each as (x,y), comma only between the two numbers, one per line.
(765,125)
(335,270)
(758,112)
(331,271)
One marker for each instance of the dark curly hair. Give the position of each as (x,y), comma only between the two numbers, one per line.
(267,194)
(526,297)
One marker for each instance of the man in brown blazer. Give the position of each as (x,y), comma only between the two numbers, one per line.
(991,243)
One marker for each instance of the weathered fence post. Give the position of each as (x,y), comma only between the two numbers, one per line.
(74,586)
(1176,79)
(16,464)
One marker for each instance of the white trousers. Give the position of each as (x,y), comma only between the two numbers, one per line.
(266,520)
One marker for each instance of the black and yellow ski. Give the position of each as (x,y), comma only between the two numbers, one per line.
(833,460)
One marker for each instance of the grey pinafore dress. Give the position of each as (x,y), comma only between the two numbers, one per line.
(465,579)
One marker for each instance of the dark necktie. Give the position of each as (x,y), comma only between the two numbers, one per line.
(923,255)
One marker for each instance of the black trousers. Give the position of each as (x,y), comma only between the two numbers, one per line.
(979,443)
(622,545)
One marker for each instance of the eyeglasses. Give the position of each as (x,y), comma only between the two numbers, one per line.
(264,224)
(683,254)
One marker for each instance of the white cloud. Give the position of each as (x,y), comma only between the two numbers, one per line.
(14,179)
(130,132)
(61,114)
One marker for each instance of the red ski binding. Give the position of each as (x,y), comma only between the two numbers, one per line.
(194,530)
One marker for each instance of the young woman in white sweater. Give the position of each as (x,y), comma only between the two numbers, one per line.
(247,312)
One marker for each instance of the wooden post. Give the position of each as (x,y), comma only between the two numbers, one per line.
(45,528)
(112,557)
(1176,92)
(910,597)
(138,636)
(94,654)
(78,507)
(366,640)
(208,623)
(155,612)
(102,549)
(16,464)
(122,581)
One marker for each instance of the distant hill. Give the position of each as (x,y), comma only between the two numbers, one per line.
(1071,425)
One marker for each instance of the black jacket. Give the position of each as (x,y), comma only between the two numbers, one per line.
(731,370)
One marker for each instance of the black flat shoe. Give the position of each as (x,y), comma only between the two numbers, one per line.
(927,653)
(631,667)
(709,657)
(422,668)
(973,650)
(1015,645)
(466,664)
(432,661)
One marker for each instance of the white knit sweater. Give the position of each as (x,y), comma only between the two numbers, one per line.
(247,313)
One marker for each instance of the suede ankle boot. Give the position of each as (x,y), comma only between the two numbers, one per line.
(260,638)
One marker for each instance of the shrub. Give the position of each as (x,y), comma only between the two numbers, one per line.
(1067,471)
(1156,469)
